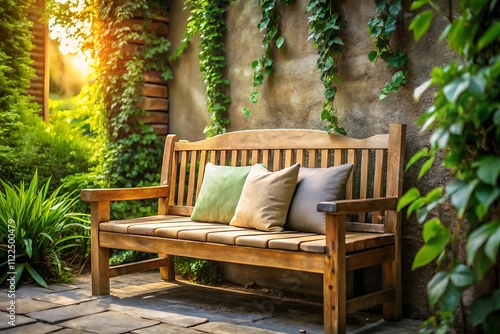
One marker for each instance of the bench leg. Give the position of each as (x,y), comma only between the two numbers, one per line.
(100,270)
(392,279)
(167,272)
(99,257)
(334,276)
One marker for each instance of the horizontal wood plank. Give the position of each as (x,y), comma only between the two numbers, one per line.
(358,205)
(130,268)
(124,194)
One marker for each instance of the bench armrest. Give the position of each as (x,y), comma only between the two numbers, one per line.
(124,194)
(358,205)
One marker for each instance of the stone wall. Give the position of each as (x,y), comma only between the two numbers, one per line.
(292,98)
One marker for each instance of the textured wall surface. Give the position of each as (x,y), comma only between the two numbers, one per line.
(292,98)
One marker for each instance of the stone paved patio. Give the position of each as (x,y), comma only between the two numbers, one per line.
(143,304)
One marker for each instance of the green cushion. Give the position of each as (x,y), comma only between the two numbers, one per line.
(265,198)
(315,185)
(219,193)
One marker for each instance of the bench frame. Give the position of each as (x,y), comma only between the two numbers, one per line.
(335,265)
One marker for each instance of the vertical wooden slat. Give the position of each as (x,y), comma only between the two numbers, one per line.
(166,173)
(201,171)
(213,157)
(339,157)
(378,182)
(352,159)
(265,158)
(363,191)
(391,270)
(234,158)
(277,160)
(312,159)
(223,158)
(244,158)
(255,157)
(192,178)
(288,158)
(325,158)
(334,277)
(173,187)
(301,157)
(182,178)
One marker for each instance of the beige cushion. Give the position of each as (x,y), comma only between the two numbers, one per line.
(266,198)
(315,185)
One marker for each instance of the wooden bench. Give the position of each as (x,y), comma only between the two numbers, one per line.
(362,230)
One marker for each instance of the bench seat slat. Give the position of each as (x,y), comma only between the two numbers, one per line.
(202,234)
(292,244)
(121,226)
(229,237)
(262,241)
(150,229)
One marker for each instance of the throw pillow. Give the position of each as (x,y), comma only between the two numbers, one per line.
(315,185)
(219,193)
(266,198)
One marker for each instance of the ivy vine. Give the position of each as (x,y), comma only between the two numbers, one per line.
(464,126)
(207,18)
(380,29)
(324,29)
(264,66)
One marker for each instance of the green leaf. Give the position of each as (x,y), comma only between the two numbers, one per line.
(479,237)
(28,243)
(280,41)
(416,205)
(437,286)
(493,243)
(462,277)
(418,4)
(246,112)
(410,196)
(425,167)
(372,56)
(395,7)
(433,229)
(481,264)
(416,157)
(36,276)
(255,63)
(338,41)
(488,169)
(454,89)
(489,36)
(421,24)
(483,306)
(460,198)
(433,247)
(486,194)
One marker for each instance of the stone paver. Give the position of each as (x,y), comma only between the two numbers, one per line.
(226,328)
(163,316)
(109,323)
(67,297)
(35,328)
(19,320)
(143,304)
(24,306)
(166,329)
(70,312)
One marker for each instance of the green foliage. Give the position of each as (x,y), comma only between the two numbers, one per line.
(324,29)
(207,19)
(264,66)
(199,271)
(15,74)
(380,29)
(45,229)
(465,125)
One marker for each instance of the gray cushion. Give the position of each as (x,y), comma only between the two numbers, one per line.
(315,185)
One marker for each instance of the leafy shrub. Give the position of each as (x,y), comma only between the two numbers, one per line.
(199,271)
(45,229)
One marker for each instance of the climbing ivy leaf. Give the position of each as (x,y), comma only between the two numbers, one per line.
(421,24)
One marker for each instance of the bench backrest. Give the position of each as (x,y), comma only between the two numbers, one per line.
(377,172)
